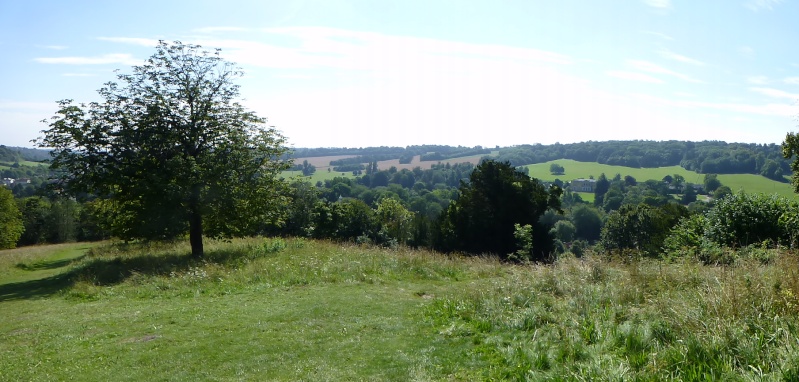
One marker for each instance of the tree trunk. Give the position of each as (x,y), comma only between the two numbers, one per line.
(196,233)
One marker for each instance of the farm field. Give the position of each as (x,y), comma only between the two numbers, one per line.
(323,163)
(296,309)
(23,163)
(575,170)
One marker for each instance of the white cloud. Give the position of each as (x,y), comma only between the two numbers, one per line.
(665,53)
(647,66)
(634,76)
(757,5)
(114,58)
(746,51)
(148,42)
(661,4)
(758,80)
(219,29)
(775,93)
(791,80)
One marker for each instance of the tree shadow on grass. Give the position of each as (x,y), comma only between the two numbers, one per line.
(52,264)
(31,289)
(107,271)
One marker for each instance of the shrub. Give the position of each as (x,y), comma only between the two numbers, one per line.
(743,219)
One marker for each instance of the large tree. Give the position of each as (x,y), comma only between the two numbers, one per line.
(11,226)
(496,198)
(171,150)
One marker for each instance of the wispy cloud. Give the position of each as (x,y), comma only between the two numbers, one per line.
(634,76)
(665,53)
(770,109)
(758,80)
(661,4)
(114,58)
(219,29)
(747,51)
(791,80)
(775,93)
(757,5)
(319,47)
(646,66)
(54,47)
(148,42)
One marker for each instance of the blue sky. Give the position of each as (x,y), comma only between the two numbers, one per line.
(356,73)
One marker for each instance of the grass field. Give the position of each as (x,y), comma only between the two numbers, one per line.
(323,164)
(23,163)
(574,170)
(293,309)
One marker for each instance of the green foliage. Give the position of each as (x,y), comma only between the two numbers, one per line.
(524,243)
(556,169)
(395,220)
(564,230)
(742,219)
(711,182)
(172,150)
(790,150)
(587,222)
(496,198)
(11,225)
(640,227)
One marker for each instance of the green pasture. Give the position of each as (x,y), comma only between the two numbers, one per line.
(267,309)
(575,170)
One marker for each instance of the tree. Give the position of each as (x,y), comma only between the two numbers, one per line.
(587,222)
(556,169)
(602,186)
(11,226)
(712,182)
(790,149)
(496,198)
(172,150)
(394,219)
(640,227)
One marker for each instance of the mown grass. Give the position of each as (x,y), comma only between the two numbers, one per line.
(748,182)
(293,309)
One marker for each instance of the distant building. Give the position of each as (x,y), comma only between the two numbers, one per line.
(7,182)
(582,185)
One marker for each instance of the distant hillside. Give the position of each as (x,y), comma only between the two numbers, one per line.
(16,154)
(706,157)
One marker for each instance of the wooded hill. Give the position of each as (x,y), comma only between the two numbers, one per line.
(702,157)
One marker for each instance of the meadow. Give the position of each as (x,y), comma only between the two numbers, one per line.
(574,170)
(296,309)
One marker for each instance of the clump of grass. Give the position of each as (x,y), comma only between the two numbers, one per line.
(653,320)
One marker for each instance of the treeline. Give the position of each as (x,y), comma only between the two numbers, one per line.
(702,157)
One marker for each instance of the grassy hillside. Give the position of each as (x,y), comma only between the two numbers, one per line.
(287,310)
(575,170)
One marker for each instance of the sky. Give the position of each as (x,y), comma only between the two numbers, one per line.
(359,73)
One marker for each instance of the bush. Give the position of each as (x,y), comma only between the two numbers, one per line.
(743,219)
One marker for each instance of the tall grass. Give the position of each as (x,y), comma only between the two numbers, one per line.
(645,320)
(295,309)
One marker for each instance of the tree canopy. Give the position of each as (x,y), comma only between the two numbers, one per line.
(496,199)
(11,226)
(170,150)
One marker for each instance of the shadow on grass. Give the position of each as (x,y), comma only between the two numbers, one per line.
(37,288)
(106,271)
(53,264)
